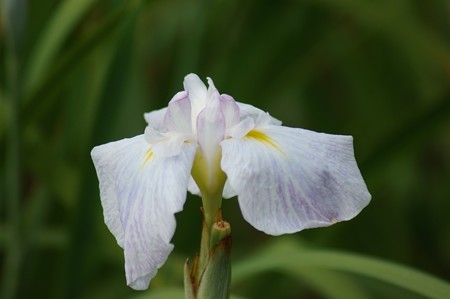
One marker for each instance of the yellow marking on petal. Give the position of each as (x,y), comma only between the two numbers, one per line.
(148,155)
(263,138)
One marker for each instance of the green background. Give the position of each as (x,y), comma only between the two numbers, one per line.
(78,73)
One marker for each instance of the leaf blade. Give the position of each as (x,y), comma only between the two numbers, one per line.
(288,255)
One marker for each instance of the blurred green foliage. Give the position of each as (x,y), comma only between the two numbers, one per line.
(78,73)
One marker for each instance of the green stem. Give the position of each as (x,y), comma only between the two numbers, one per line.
(211,209)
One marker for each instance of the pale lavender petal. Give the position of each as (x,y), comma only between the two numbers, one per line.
(198,95)
(211,88)
(140,193)
(195,87)
(290,179)
(178,116)
(210,127)
(230,110)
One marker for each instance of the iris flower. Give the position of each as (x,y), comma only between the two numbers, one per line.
(286,179)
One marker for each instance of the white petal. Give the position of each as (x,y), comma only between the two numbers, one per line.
(166,144)
(241,129)
(197,95)
(171,144)
(178,116)
(264,119)
(140,193)
(153,136)
(257,115)
(195,87)
(193,188)
(211,87)
(290,179)
(228,191)
(210,128)
(230,110)
(176,129)
(155,119)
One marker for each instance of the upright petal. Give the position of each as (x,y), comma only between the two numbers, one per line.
(211,87)
(140,193)
(195,87)
(206,170)
(290,179)
(178,116)
(198,95)
(155,119)
(211,127)
(230,110)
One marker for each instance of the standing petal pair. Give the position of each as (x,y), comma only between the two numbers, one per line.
(286,179)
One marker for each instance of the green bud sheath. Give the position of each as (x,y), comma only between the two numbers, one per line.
(188,283)
(210,275)
(216,280)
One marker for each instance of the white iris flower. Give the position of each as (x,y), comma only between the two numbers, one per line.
(286,179)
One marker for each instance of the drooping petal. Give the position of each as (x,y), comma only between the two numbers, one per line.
(228,191)
(140,193)
(193,188)
(290,179)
